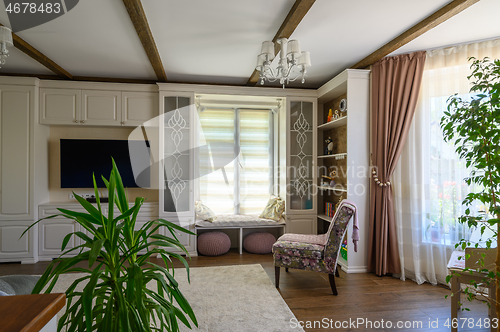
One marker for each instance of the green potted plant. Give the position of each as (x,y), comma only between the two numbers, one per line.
(473,125)
(115,297)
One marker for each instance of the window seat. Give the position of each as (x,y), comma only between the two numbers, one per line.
(242,223)
(239,220)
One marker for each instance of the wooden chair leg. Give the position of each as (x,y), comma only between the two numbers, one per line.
(277,276)
(286,269)
(332,284)
(337,274)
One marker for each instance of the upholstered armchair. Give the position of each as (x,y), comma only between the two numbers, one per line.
(318,253)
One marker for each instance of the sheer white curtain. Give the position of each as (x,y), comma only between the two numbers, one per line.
(428,181)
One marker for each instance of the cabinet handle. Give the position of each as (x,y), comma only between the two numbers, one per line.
(123,122)
(82,121)
(76,121)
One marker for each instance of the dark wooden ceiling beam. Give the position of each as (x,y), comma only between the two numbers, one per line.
(141,25)
(443,14)
(292,20)
(32,52)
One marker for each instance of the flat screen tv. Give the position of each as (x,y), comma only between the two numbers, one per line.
(80,158)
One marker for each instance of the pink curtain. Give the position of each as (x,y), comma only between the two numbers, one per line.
(395,88)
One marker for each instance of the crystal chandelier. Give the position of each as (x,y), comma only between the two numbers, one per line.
(5,40)
(290,58)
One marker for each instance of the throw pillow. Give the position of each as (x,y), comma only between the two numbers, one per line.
(203,212)
(274,209)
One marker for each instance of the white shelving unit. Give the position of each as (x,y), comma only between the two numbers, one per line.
(350,134)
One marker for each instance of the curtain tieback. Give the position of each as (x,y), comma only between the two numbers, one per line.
(377,181)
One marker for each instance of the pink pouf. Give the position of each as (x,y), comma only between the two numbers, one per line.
(259,243)
(213,243)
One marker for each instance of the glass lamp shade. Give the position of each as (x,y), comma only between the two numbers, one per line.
(305,59)
(268,49)
(293,48)
(6,35)
(260,62)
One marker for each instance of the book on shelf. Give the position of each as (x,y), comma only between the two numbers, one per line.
(329,209)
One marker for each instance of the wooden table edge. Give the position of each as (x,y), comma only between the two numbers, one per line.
(57,302)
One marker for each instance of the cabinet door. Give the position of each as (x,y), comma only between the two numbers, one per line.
(300,156)
(16,153)
(138,107)
(101,108)
(51,233)
(13,247)
(60,106)
(301,224)
(176,145)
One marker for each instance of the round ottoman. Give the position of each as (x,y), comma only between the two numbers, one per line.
(259,243)
(213,243)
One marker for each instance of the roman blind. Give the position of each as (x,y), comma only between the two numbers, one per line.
(236,168)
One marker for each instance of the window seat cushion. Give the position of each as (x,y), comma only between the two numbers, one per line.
(239,220)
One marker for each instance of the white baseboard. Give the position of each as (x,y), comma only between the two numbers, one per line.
(353,269)
(29,261)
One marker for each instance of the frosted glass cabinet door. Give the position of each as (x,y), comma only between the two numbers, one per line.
(300,170)
(177,159)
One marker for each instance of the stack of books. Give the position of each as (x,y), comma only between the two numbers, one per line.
(329,209)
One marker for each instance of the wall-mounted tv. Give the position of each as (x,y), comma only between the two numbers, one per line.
(80,158)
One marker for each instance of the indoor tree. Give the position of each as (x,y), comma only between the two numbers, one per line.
(115,296)
(472,124)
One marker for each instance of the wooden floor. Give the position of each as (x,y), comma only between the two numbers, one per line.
(364,297)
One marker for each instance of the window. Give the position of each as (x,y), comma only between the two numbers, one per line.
(428,180)
(236,167)
(447,188)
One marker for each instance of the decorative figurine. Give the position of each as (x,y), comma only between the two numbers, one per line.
(330,116)
(333,175)
(329,146)
(337,115)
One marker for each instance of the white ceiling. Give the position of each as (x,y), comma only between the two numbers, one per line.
(213,41)
(217,41)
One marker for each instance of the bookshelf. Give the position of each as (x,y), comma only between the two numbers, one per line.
(350,158)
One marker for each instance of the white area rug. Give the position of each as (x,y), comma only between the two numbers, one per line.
(227,299)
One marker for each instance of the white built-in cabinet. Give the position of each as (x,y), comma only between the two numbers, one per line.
(23,181)
(96,107)
(28,107)
(177,138)
(52,231)
(300,158)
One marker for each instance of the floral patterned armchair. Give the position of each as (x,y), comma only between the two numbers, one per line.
(318,253)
